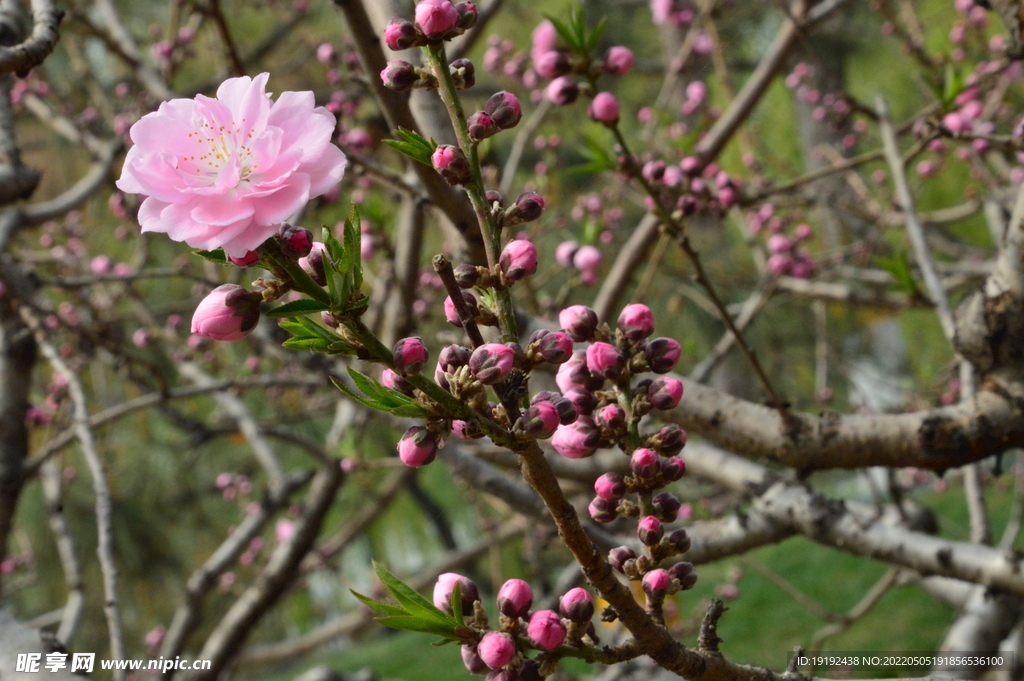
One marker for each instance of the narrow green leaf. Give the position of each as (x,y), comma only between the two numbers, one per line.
(413,602)
(297,307)
(341,348)
(595,36)
(353,227)
(411,411)
(216,256)
(295,329)
(565,32)
(372,404)
(311,344)
(375,391)
(411,150)
(457,604)
(379,607)
(314,329)
(413,623)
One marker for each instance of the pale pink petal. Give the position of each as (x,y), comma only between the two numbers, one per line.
(266,147)
(249,239)
(218,211)
(169,129)
(327,170)
(149,215)
(284,202)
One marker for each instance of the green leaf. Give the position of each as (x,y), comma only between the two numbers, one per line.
(297,307)
(374,390)
(595,35)
(295,329)
(599,157)
(353,247)
(457,604)
(411,411)
(416,604)
(413,145)
(311,344)
(567,34)
(372,404)
(899,266)
(413,623)
(315,330)
(341,348)
(953,84)
(216,256)
(379,606)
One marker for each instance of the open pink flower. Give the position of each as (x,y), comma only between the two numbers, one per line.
(224,172)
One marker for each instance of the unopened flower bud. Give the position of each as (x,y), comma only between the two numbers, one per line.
(295,242)
(577,605)
(552,64)
(326,53)
(228,313)
(481,126)
(472,660)
(662,355)
(685,573)
(400,34)
(246,260)
(579,322)
(650,530)
(610,416)
(644,463)
(463,73)
(541,420)
(604,108)
(668,504)
(496,649)
(451,162)
(567,410)
(617,558)
(610,486)
(494,197)
(452,315)
(313,264)
(604,360)
(668,441)
(562,91)
(665,393)
(467,430)
(545,396)
(468,14)
(418,447)
(466,276)
(443,592)
(518,260)
(603,510)
(399,75)
(410,355)
(618,61)
(680,540)
(328,319)
(504,108)
(554,347)
(515,598)
(584,400)
(565,252)
(395,381)
(491,362)
(436,17)
(636,322)
(546,629)
(672,469)
(529,206)
(577,440)
(656,584)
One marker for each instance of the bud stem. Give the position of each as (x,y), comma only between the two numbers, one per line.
(444,270)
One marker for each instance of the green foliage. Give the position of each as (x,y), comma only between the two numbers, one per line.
(413,145)
(380,397)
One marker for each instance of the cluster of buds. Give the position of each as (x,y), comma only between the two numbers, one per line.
(690,188)
(786,254)
(435,21)
(503,650)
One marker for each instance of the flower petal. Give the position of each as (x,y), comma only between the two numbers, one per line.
(226,209)
(281,204)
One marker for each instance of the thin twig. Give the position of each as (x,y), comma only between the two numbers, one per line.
(53,479)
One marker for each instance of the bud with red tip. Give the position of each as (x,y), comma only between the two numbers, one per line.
(636,322)
(395,381)
(468,14)
(577,440)
(618,61)
(481,126)
(610,486)
(546,629)
(567,410)
(650,530)
(504,108)
(452,315)
(579,322)
(552,64)
(604,108)
(662,355)
(400,76)
(295,242)
(685,573)
(228,313)
(246,260)
(443,592)
(668,506)
(518,260)
(549,346)
(672,469)
(400,34)
(451,162)
(665,392)
(491,362)
(527,208)
(436,17)
(618,557)
(562,91)
(603,510)
(656,584)
(472,660)
(577,605)
(313,264)
(541,420)
(584,400)
(496,649)
(515,598)
(410,355)
(463,73)
(604,360)
(610,416)
(418,447)
(644,463)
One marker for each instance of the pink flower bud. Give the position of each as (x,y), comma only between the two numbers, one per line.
(544,39)
(665,393)
(443,592)
(650,530)
(579,322)
(284,530)
(574,374)
(584,400)
(618,61)
(451,162)
(400,34)
(496,649)
(546,629)
(326,53)
(567,410)
(529,206)
(395,381)
(228,313)
(610,416)
(552,64)
(564,253)
(604,108)
(636,322)
(491,362)
(662,355)
(610,486)
(644,463)
(399,75)
(481,126)
(577,605)
(656,584)
(577,440)
(541,420)
(696,92)
(515,598)
(452,315)
(246,260)
(410,355)
(472,660)
(617,557)
(587,258)
(468,14)
(779,264)
(604,360)
(436,17)
(668,441)
(418,447)
(313,263)
(550,346)
(562,91)
(667,505)
(685,573)
(518,259)
(672,469)
(504,108)
(295,242)
(679,540)
(100,265)
(778,243)
(140,338)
